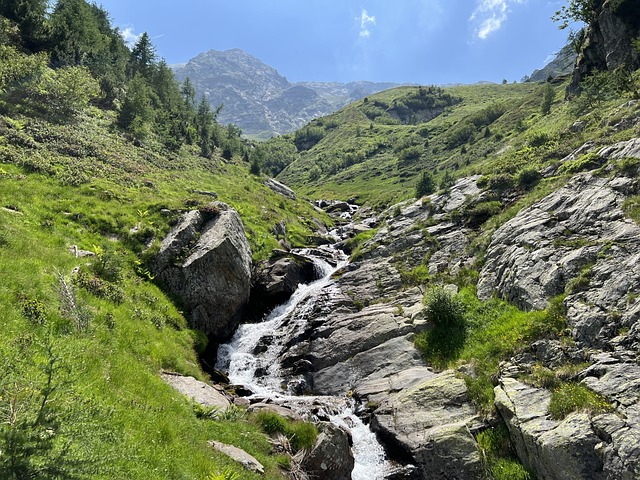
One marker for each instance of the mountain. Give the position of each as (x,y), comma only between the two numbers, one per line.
(562,64)
(261,101)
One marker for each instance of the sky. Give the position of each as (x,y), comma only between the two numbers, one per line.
(404,41)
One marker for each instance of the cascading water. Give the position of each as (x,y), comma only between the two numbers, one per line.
(258,368)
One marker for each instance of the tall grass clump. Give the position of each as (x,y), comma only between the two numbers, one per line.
(301,435)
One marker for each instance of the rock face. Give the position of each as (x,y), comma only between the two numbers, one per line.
(562,64)
(206,262)
(331,457)
(430,422)
(554,450)
(275,280)
(261,101)
(608,41)
(576,239)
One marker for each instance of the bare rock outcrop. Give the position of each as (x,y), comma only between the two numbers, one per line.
(331,456)
(430,422)
(608,41)
(205,261)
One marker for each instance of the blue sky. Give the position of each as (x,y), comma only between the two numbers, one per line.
(417,41)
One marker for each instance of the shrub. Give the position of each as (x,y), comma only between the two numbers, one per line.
(481,212)
(108,265)
(426,185)
(528,177)
(34,310)
(572,397)
(588,161)
(443,308)
(65,91)
(445,340)
(100,288)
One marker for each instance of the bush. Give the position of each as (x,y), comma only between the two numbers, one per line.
(443,308)
(65,91)
(426,185)
(445,340)
(528,177)
(572,397)
(481,212)
(588,161)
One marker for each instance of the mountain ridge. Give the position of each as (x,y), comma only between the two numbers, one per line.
(261,101)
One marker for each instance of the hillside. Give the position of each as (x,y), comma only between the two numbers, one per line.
(258,99)
(455,271)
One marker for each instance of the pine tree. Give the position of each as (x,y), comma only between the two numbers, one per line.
(143,58)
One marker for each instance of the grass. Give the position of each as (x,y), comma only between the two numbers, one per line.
(499,457)
(301,435)
(108,331)
(571,397)
(492,331)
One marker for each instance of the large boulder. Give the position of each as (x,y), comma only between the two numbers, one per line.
(205,261)
(574,448)
(200,392)
(430,424)
(331,457)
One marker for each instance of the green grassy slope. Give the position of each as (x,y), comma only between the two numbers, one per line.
(489,129)
(90,346)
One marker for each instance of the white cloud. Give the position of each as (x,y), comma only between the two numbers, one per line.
(489,15)
(366,21)
(129,36)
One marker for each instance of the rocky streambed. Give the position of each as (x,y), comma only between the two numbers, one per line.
(353,337)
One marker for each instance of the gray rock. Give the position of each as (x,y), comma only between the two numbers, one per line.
(198,391)
(275,280)
(331,457)
(247,461)
(280,410)
(554,450)
(536,254)
(280,188)
(430,423)
(206,262)
(462,191)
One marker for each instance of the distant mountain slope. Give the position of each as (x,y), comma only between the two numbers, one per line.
(562,64)
(260,100)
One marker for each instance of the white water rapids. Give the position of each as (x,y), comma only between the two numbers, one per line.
(239,359)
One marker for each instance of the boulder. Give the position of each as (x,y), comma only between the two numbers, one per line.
(280,188)
(200,392)
(205,261)
(249,462)
(430,424)
(553,450)
(331,457)
(275,280)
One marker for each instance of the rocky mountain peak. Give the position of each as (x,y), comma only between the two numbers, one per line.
(260,100)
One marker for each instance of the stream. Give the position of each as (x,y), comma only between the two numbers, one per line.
(251,359)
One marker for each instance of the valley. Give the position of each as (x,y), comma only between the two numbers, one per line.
(428,283)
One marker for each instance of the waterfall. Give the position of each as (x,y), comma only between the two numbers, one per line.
(251,359)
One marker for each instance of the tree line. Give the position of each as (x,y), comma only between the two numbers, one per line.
(57,61)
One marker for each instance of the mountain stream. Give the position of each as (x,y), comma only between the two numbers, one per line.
(251,359)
